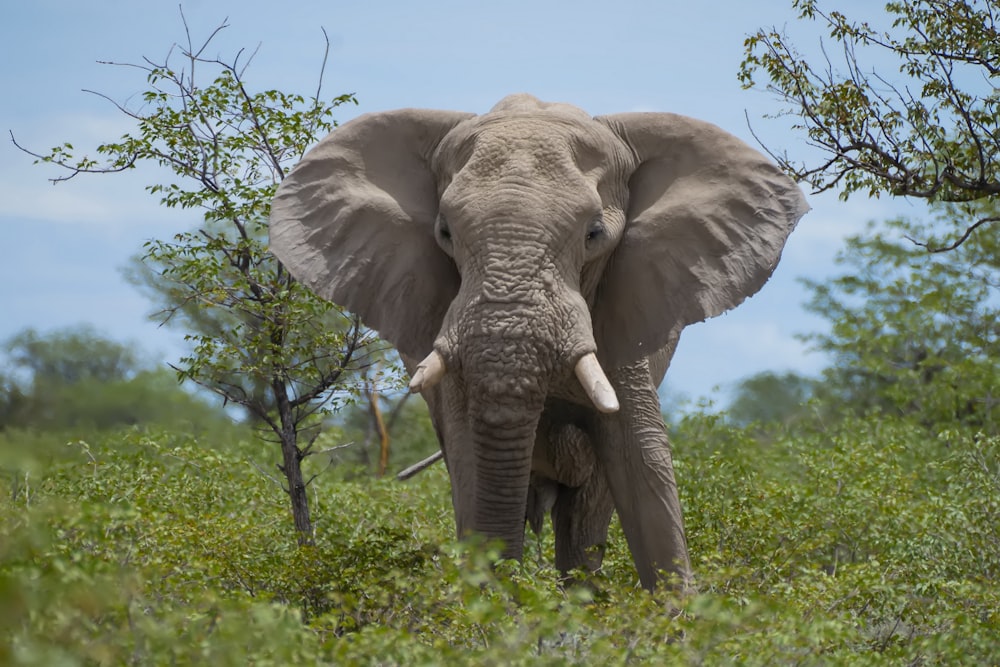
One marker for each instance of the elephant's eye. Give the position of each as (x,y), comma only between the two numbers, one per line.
(443,230)
(596,229)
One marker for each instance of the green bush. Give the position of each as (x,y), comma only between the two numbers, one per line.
(863,543)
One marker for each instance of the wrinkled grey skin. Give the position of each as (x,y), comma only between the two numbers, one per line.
(514,243)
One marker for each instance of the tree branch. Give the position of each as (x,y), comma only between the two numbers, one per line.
(412,471)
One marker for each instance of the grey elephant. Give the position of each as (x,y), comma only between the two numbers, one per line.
(535,266)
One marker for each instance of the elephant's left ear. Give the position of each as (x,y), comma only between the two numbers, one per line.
(707,219)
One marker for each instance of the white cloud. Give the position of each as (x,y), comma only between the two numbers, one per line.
(112,205)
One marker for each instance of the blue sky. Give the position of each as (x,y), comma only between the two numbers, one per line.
(65,245)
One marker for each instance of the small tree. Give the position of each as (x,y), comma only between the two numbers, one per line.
(260,339)
(70,356)
(770,398)
(930,132)
(74,378)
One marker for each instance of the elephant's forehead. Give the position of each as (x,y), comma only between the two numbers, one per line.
(520,148)
(531,146)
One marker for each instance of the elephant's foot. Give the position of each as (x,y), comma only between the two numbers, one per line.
(581,516)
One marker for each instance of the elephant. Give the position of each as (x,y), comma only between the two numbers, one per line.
(534,267)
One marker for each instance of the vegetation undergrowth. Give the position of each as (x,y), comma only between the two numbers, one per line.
(867,541)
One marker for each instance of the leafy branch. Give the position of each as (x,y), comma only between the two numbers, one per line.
(930,135)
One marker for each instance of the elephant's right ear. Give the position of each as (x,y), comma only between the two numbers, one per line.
(354,221)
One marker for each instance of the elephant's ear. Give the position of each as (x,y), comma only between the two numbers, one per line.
(707,219)
(354,221)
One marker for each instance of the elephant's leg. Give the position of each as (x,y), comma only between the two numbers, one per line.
(634,452)
(581,516)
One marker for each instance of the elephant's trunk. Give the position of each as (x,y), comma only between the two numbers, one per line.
(506,382)
(502,473)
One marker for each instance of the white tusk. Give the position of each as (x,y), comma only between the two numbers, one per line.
(429,372)
(596,383)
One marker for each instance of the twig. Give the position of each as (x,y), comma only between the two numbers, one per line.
(265,474)
(962,239)
(334,448)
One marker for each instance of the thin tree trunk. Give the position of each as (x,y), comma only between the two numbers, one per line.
(296,488)
(292,467)
(396,411)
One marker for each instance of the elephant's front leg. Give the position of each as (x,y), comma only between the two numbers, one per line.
(633,450)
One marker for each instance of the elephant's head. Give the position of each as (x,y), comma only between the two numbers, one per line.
(508,249)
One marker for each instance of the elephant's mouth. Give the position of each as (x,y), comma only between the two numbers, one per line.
(588,371)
